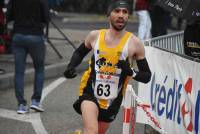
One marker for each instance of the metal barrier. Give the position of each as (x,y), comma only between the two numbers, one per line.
(172,42)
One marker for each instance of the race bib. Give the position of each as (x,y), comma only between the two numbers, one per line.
(106,86)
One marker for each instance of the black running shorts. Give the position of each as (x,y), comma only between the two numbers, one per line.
(105,115)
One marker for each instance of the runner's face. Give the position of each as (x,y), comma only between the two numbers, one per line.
(119,18)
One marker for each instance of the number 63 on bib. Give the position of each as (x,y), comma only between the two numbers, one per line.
(106,86)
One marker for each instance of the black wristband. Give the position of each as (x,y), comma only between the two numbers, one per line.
(144,73)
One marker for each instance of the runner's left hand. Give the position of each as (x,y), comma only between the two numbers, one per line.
(125,66)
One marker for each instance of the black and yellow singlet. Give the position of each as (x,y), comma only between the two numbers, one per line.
(103,79)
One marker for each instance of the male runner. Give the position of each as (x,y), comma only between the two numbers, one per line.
(103,84)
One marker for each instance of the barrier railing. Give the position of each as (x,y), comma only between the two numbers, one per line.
(130,104)
(172,42)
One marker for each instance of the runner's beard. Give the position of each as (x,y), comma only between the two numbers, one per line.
(117,28)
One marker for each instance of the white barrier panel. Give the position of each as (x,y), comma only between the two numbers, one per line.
(130,102)
(173,93)
(127,103)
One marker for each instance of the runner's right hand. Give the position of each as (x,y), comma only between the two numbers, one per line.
(70,73)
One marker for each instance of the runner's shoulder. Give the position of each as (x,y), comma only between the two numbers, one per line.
(94,33)
(135,40)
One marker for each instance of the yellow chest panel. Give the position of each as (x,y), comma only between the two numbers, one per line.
(110,54)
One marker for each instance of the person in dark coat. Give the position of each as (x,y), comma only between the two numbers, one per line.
(30,17)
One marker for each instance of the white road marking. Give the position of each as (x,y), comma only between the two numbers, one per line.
(51,87)
(10,114)
(38,125)
(33,117)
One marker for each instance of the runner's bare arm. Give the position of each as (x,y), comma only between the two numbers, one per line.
(137,52)
(91,38)
(136,48)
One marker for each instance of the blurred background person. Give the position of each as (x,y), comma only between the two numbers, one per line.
(2,17)
(144,29)
(192,39)
(2,23)
(160,20)
(30,17)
